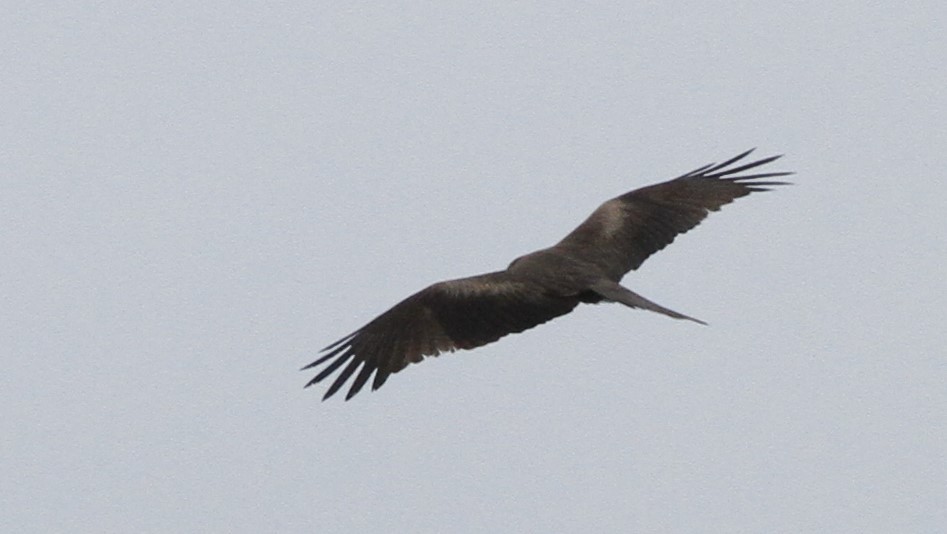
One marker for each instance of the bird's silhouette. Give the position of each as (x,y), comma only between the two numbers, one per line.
(586,266)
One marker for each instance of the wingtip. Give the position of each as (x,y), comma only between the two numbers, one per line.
(738,157)
(329,392)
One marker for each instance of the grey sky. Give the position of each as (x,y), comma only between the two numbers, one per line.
(196,198)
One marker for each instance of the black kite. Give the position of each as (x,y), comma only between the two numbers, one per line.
(585,266)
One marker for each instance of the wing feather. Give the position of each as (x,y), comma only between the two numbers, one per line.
(624,231)
(451,315)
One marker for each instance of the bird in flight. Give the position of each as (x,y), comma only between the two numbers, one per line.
(585,266)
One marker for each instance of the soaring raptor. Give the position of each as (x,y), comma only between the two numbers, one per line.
(585,266)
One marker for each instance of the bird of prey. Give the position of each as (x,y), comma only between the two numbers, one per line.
(586,266)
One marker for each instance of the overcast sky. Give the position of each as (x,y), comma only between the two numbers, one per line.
(196,197)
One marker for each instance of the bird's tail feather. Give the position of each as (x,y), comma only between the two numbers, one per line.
(616,292)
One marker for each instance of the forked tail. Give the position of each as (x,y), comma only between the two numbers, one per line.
(616,292)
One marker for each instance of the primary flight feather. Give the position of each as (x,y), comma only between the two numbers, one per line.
(585,266)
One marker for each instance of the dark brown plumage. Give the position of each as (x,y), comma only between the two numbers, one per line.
(585,266)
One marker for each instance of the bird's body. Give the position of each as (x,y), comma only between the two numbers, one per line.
(584,267)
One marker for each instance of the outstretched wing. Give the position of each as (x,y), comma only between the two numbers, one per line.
(624,231)
(451,315)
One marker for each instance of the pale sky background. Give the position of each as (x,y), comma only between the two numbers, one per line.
(196,197)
